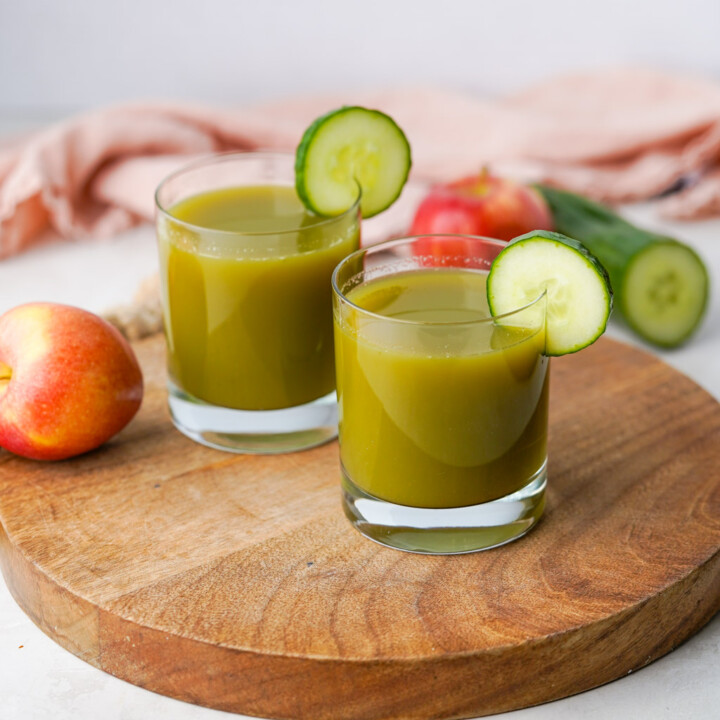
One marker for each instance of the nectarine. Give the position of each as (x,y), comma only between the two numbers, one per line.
(483,205)
(68,381)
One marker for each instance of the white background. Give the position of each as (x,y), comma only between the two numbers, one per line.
(61,56)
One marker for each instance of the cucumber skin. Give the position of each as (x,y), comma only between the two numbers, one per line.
(580,248)
(616,243)
(304,147)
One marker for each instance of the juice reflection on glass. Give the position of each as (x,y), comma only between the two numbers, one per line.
(443,409)
(245,274)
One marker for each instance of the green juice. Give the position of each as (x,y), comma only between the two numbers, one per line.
(433,414)
(245,273)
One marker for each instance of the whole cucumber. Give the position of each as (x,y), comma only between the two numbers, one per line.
(661,285)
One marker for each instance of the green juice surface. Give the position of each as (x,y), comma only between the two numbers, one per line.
(435,415)
(249,318)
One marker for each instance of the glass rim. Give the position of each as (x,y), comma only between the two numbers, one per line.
(418,323)
(217,157)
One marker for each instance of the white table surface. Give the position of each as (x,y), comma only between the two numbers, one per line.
(38,679)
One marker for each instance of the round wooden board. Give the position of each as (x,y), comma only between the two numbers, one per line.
(236,582)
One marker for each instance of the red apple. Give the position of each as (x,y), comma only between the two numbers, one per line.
(482,205)
(68,381)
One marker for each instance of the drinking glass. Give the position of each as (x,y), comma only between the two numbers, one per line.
(443,409)
(245,277)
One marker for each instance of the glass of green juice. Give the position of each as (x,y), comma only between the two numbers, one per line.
(245,279)
(443,409)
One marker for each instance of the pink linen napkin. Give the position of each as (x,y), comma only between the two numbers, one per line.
(618,135)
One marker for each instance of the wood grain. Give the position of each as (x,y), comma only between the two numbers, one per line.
(235,581)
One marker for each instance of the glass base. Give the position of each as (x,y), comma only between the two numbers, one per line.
(446,531)
(260,432)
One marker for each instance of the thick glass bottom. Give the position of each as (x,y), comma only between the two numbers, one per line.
(446,531)
(262,432)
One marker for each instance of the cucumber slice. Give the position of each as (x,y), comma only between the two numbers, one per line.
(579,297)
(349,147)
(664,292)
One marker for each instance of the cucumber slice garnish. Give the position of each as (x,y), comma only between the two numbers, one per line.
(349,147)
(579,296)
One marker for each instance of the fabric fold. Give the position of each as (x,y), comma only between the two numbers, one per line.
(618,135)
